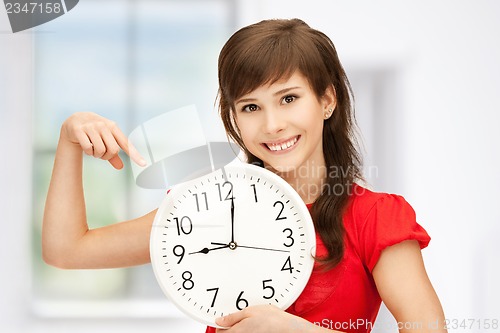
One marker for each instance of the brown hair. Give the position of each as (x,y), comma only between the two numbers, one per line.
(270,50)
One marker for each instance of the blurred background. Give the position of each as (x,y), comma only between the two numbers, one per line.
(425,75)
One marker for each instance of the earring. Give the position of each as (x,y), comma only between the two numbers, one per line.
(328,113)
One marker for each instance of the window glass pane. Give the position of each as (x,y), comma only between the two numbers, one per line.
(80,65)
(176,45)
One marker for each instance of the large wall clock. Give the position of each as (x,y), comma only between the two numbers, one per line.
(236,237)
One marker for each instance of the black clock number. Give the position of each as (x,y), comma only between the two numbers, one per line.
(229,195)
(187,284)
(289,237)
(279,217)
(185,225)
(254,192)
(287,266)
(179,252)
(266,286)
(197,201)
(215,295)
(241,303)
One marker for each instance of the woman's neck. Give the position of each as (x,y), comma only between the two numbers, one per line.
(308,181)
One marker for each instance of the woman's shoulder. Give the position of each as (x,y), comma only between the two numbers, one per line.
(364,202)
(363,196)
(376,220)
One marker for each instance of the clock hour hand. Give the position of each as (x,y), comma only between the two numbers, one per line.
(206,250)
(252,247)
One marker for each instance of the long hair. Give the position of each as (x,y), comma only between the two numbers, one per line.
(270,50)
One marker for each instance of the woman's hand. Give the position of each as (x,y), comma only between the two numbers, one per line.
(99,137)
(264,318)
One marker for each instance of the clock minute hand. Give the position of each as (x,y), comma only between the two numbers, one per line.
(254,247)
(232,219)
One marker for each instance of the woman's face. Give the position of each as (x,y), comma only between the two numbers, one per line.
(282,124)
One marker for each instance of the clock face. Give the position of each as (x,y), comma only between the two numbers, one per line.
(237,237)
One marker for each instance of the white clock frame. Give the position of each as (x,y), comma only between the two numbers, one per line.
(209,269)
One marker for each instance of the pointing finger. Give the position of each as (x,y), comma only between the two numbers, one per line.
(127,147)
(135,156)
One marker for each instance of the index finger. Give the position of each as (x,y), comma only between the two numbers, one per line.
(128,147)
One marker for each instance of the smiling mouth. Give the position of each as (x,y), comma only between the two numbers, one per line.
(284,145)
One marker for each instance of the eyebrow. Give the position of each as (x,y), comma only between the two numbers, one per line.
(279,92)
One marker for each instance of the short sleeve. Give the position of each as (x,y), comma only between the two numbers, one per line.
(390,221)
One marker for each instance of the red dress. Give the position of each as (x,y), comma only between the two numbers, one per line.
(345,298)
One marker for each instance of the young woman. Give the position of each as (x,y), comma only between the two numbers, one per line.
(285,99)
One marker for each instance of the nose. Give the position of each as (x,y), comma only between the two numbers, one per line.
(274,121)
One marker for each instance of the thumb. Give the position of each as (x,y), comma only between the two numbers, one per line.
(231,319)
(116,162)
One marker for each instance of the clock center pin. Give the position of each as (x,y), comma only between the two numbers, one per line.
(233,245)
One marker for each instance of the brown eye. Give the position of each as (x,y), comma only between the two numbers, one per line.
(250,108)
(288,99)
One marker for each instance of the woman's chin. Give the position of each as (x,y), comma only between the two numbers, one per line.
(279,168)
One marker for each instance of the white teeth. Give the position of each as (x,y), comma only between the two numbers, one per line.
(282,146)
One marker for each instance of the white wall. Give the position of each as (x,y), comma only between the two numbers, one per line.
(15,176)
(446,54)
(447,57)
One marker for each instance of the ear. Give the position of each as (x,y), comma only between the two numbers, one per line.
(329,101)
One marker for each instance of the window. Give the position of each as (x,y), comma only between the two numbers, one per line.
(144,59)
